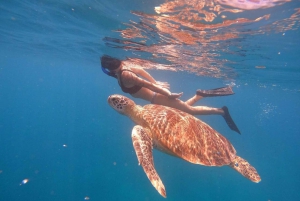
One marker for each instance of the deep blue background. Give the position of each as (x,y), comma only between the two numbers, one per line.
(53,93)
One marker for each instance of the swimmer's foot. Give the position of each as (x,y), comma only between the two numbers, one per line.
(223,91)
(229,120)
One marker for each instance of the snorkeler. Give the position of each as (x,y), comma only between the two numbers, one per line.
(131,81)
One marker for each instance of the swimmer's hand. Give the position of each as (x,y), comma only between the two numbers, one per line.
(175,95)
(163,84)
(170,95)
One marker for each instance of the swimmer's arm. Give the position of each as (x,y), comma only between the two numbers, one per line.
(131,79)
(146,75)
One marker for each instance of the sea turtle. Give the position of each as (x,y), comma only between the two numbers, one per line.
(179,134)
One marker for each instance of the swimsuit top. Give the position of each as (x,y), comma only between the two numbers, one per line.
(131,90)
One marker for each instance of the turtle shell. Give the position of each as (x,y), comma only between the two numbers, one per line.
(183,135)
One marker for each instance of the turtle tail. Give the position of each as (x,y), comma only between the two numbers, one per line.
(243,167)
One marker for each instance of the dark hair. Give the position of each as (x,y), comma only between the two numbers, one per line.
(109,62)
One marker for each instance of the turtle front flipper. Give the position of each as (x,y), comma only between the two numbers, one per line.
(142,144)
(243,167)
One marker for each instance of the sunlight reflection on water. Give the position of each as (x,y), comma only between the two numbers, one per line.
(194,36)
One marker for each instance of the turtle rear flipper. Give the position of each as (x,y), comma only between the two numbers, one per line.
(243,167)
(142,144)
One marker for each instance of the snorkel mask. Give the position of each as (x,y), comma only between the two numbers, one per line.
(109,63)
(107,72)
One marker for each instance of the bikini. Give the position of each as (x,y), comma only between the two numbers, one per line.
(131,90)
(134,89)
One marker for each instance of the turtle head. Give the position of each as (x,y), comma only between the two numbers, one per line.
(121,104)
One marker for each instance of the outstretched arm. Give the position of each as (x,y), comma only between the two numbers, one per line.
(131,79)
(144,74)
(148,77)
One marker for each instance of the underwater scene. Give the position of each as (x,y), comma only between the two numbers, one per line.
(222,79)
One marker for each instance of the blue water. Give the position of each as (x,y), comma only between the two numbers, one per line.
(58,132)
